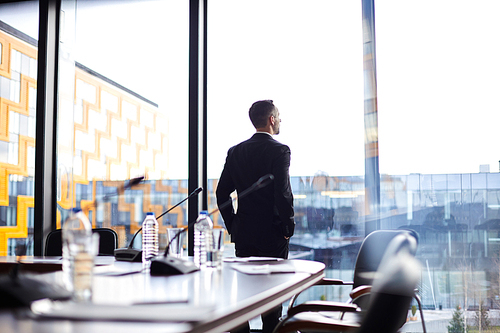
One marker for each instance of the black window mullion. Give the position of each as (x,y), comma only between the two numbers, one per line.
(46,115)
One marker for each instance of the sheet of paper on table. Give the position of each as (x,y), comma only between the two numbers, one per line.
(265,269)
(147,312)
(251,259)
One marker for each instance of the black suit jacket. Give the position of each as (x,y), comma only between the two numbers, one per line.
(265,216)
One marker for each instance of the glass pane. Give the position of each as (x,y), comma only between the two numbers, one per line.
(436,119)
(18,34)
(308,59)
(123,112)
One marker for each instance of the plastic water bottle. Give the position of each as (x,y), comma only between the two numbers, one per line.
(150,244)
(202,234)
(78,255)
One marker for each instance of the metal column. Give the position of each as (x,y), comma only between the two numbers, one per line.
(372,175)
(45,152)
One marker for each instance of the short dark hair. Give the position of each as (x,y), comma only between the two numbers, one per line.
(260,111)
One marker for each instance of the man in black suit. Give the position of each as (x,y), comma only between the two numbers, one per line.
(264,221)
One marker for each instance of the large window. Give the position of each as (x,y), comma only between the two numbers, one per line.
(308,60)
(436,125)
(437,90)
(18,78)
(123,112)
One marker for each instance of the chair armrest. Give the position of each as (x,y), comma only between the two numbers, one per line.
(315,306)
(313,321)
(333,282)
(360,291)
(322,282)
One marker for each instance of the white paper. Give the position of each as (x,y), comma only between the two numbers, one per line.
(265,269)
(148,313)
(251,259)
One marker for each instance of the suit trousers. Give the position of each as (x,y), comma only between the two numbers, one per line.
(269,321)
(271,318)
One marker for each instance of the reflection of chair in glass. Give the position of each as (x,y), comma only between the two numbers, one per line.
(108,242)
(367,262)
(390,296)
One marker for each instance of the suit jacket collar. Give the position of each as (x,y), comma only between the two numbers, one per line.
(262,135)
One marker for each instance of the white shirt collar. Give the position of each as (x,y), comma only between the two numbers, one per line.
(265,133)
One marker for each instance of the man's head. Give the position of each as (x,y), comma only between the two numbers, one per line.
(265,116)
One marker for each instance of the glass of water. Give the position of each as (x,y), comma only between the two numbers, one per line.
(215,248)
(177,241)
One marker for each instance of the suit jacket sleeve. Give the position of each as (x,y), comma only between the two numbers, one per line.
(223,193)
(283,192)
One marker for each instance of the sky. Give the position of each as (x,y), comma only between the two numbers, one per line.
(437,77)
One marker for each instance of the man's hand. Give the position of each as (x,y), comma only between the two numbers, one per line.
(286,237)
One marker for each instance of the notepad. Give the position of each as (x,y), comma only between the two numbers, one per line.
(251,259)
(264,269)
(145,312)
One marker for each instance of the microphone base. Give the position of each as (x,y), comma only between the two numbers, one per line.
(164,266)
(127,254)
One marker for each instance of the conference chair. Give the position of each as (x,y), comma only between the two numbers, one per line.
(391,294)
(108,242)
(369,256)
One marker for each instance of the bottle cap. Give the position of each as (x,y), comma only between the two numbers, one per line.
(150,213)
(76,210)
(204,212)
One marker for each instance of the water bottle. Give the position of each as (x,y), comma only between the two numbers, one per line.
(202,235)
(78,255)
(150,243)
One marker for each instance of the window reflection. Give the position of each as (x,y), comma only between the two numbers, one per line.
(122,117)
(18,71)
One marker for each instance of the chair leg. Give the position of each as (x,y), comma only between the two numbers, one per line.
(419,302)
(292,300)
(277,329)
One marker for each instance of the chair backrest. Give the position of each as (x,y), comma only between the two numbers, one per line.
(108,242)
(371,252)
(393,287)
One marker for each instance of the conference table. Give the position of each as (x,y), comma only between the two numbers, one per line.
(126,299)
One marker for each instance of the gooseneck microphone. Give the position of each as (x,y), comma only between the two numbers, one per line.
(135,255)
(131,182)
(195,192)
(260,183)
(172,266)
(106,197)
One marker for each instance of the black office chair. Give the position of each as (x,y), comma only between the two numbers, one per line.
(391,294)
(108,242)
(368,260)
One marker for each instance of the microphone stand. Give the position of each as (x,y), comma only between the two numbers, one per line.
(135,255)
(173,266)
(132,182)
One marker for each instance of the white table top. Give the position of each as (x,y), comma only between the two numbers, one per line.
(204,301)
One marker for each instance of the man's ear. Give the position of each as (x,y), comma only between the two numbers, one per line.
(272,120)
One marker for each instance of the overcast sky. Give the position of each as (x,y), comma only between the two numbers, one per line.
(436,64)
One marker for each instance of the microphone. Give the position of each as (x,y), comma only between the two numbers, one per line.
(135,255)
(132,182)
(260,183)
(195,192)
(173,266)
